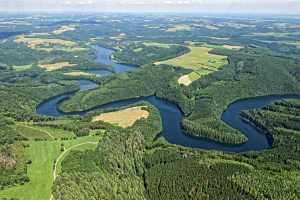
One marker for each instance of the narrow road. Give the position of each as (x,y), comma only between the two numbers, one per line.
(60,157)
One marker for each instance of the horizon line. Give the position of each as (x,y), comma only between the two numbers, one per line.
(147,12)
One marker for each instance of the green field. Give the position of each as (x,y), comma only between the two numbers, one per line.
(200,60)
(43,155)
(179,27)
(45,133)
(22,67)
(156,44)
(78,73)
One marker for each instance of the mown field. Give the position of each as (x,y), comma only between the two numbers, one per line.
(200,61)
(124,118)
(43,155)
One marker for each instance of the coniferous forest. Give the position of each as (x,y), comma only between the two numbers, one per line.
(149,107)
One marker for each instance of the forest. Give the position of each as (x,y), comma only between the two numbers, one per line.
(71,156)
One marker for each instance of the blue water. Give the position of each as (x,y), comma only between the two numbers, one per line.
(171,116)
(104,57)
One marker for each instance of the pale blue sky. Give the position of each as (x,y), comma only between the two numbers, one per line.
(223,6)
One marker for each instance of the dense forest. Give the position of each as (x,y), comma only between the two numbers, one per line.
(141,54)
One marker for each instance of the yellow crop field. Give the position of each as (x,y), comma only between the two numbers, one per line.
(123,118)
(56,66)
(78,73)
(33,42)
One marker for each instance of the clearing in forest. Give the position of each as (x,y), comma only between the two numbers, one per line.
(78,73)
(157,44)
(33,42)
(123,118)
(48,44)
(56,66)
(179,27)
(22,67)
(200,60)
(63,29)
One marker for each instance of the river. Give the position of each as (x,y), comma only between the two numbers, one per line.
(171,115)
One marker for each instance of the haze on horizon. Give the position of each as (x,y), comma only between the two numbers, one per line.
(206,6)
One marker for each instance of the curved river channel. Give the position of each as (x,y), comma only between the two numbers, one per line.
(171,115)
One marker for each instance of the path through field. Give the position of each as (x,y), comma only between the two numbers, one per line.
(61,156)
(37,129)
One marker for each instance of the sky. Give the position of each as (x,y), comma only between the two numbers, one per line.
(199,6)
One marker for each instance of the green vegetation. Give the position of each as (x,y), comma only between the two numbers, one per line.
(147,53)
(115,169)
(13,165)
(200,60)
(22,67)
(142,82)
(180,175)
(203,102)
(40,172)
(218,61)
(170,172)
(179,27)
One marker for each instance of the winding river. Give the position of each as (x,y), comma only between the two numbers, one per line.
(171,115)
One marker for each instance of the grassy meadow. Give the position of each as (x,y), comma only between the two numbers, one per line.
(63,29)
(56,66)
(22,67)
(200,60)
(78,73)
(179,27)
(33,42)
(43,155)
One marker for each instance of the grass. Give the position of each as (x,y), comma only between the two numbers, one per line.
(78,73)
(32,132)
(157,44)
(22,67)
(56,66)
(62,48)
(276,34)
(43,156)
(56,133)
(138,50)
(233,47)
(123,118)
(34,42)
(63,29)
(296,43)
(199,60)
(185,80)
(211,27)
(179,27)
(118,37)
